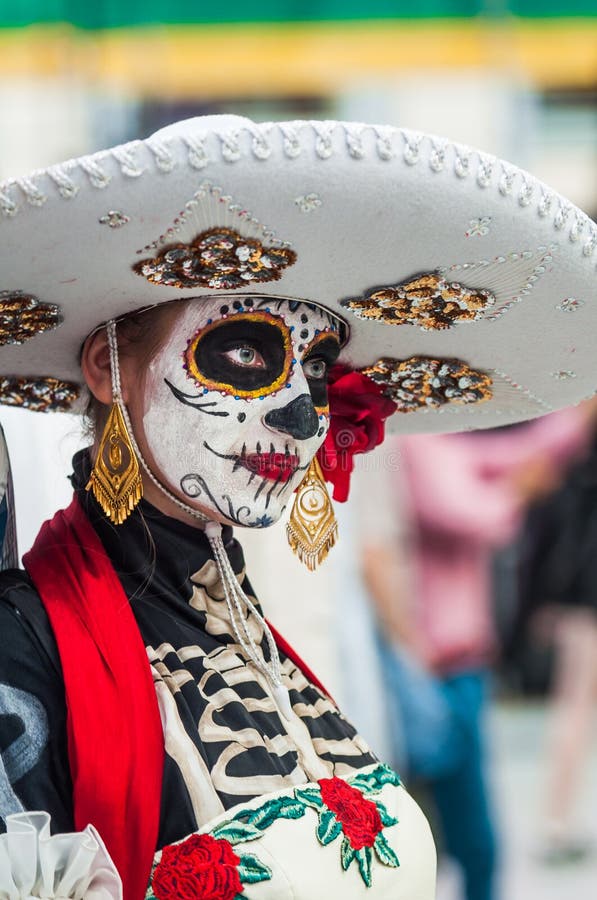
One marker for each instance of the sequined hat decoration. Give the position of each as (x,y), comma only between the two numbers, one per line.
(22,316)
(235,251)
(433,301)
(421,382)
(217,258)
(38,394)
(429,301)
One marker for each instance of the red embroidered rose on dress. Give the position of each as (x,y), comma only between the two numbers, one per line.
(358,410)
(205,867)
(201,867)
(360,819)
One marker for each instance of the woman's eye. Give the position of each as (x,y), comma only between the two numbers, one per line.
(245,356)
(315,368)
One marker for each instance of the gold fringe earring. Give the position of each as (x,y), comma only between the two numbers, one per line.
(312,529)
(116,478)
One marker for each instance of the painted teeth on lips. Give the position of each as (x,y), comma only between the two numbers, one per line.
(272,465)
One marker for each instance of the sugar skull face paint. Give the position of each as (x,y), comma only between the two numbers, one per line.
(235,403)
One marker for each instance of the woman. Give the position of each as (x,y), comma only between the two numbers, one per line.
(243,779)
(461,496)
(558,581)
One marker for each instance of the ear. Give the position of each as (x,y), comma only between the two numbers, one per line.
(95,365)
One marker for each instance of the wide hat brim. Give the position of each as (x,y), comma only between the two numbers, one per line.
(428,251)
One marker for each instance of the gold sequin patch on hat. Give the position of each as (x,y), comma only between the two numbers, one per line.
(22,316)
(425,383)
(43,394)
(429,301)
(217,258)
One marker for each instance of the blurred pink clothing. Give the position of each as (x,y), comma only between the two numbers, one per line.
(462,506)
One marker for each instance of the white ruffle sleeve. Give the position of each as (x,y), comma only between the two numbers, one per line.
(33,863)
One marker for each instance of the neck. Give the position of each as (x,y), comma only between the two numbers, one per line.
(167,506)
(156,493)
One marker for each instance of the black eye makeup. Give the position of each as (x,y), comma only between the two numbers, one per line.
(248,355)
(319,357)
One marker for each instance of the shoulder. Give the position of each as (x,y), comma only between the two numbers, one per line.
(17,590)
(24,624)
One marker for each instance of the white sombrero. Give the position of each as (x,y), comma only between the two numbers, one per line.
(466,285)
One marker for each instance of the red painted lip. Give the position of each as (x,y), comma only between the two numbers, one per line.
(277,466)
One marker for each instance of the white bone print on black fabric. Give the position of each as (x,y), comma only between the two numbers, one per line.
(219,709)
(25,735)
(225,740)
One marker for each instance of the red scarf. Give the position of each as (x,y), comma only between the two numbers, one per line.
(115,738)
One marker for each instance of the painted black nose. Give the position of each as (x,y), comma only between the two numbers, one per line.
(298,418)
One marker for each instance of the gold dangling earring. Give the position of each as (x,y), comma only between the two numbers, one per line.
(312,529)
(116,478)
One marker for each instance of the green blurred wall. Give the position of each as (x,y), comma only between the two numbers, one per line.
(93,14)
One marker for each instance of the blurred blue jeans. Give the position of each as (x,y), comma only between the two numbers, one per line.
(440,724)
(462,797)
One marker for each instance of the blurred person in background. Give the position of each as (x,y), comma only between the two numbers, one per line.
(463,495)
(559,598)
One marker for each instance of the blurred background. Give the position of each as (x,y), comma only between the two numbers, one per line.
(466,655)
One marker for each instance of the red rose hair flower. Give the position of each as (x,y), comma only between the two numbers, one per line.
(358,411)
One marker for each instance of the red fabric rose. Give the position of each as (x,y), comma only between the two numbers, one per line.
(361,822)
(201,867)
(358,411)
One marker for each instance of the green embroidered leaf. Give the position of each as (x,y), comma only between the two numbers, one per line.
(384,852)
(372,782)
(263,818)
(328,828)
(310,796)
(236,832)
(347,853)
(386,818)
(266,815)
(255,816)
(384,775)
(251,870)
(361,782)
(364,860)
(291,809)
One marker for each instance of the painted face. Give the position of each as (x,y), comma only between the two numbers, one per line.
(235,404)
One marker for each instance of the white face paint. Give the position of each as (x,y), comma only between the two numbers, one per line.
(235,404)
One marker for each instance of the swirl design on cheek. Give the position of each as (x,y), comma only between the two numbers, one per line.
(192,485)
(195,485)
(213,358)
